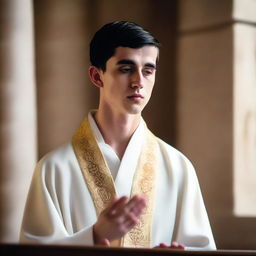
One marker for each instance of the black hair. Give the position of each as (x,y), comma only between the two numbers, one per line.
(115,34)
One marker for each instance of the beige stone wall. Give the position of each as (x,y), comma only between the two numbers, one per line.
(216,112)
(245,119)
(18,143)
(63,89)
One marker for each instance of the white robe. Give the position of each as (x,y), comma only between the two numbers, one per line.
(60,210)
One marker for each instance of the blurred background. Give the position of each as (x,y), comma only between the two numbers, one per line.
(204,100)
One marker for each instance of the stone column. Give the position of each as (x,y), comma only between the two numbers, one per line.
(64,92)
(18,149)
(216,111)
(244,122)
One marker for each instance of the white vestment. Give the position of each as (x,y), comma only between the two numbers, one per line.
(60,210)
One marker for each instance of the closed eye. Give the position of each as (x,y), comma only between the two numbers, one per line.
(149,71)
(126,69)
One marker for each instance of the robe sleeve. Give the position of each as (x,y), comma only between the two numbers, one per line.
(192,227)
(42,220)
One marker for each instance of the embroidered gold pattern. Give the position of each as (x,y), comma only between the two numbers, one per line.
(96,173)
(143,184)
(101,185)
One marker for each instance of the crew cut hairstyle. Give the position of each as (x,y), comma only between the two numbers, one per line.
(116,34)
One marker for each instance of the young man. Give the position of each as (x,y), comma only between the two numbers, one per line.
(117,184)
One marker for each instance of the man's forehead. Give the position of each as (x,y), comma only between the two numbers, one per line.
(143,54)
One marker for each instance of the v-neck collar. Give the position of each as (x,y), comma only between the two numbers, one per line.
(122,170)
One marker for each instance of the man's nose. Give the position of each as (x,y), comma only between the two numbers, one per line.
(137,80)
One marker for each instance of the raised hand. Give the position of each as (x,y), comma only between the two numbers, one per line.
(118,219)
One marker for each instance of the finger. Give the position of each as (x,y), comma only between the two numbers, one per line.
(181,247)
(117,201)
(104,242)
(123,210)
(139,209)
(176,245)
(116,206)
(130,221)
(131,207)
(137,206)
(112,203)
(136,202)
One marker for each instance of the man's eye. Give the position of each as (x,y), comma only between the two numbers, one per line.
(125,70)
(148,71)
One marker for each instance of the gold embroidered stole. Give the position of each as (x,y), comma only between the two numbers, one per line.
(102,187)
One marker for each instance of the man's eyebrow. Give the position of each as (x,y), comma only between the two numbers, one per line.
(131,62)
(150,65)
(125,62)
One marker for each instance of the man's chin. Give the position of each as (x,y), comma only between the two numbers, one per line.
(134,110)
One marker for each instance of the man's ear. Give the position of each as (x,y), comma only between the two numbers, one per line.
(94,74)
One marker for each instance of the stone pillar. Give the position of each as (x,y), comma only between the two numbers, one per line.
(18,149)
(216,111)
(64,92)
(244,122)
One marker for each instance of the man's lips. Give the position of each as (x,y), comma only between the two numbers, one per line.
(135,96)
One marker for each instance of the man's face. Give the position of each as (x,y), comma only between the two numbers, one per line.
(129,79)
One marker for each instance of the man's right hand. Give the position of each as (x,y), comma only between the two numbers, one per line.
(119,218)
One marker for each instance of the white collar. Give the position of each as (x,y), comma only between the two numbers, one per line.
(98,136)
(122,171)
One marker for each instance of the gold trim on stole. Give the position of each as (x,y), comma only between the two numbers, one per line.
(102,187)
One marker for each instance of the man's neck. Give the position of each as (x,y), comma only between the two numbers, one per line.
(117,129)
